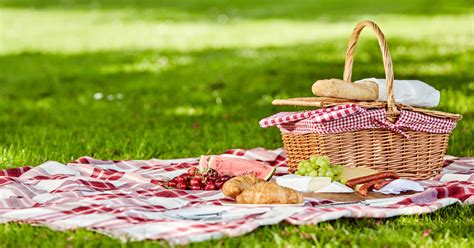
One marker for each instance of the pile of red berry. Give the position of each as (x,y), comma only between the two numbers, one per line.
(194,180)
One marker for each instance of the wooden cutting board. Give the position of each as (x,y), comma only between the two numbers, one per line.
(350,197)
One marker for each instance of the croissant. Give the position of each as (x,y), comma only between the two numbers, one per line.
(236,185)
(269,193)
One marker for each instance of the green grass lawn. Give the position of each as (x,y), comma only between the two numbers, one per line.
(184,78)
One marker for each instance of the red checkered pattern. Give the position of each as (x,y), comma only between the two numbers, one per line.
(319,115)
(124,199)
(424,123)
(346,118)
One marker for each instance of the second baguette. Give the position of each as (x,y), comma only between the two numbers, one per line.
(368,91)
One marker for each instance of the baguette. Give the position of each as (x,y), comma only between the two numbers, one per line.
(366,90)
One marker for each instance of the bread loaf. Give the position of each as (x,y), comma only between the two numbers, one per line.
(366,90)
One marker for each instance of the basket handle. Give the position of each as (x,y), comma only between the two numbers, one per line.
(387,62)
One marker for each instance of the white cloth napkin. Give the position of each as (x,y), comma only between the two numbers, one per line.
(400,185)
(448,177)
(410,92)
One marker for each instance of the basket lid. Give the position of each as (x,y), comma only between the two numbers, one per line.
(324,102)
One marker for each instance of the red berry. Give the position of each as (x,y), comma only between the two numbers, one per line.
(181,180)
(210,186)
(192,171)
(219,184)
(212,173)
(182,186)
(172,183)
(195,182)
(208,181)
(212,178)
(198,176)
(225,178)
(196,187)
(185,176)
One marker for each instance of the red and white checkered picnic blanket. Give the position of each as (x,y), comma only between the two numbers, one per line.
(350,117)
(123,199)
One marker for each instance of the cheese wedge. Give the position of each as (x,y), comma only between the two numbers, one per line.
(355,172)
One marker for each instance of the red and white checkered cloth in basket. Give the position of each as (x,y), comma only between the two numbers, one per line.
(123,199)
(350,117)
(319,115)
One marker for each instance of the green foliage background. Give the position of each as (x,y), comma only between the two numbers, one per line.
(184,78)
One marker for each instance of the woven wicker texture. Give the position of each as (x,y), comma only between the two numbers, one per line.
(387,61)
(419,157)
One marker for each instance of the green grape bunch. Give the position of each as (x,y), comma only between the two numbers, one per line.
(320,166)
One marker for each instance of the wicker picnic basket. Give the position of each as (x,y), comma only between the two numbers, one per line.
(419,157)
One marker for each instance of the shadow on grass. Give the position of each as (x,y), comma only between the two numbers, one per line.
(288,71)
(329,10)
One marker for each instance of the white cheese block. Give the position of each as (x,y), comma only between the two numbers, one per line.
(303,183)
(317,183)
(298,183)
(335,187)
